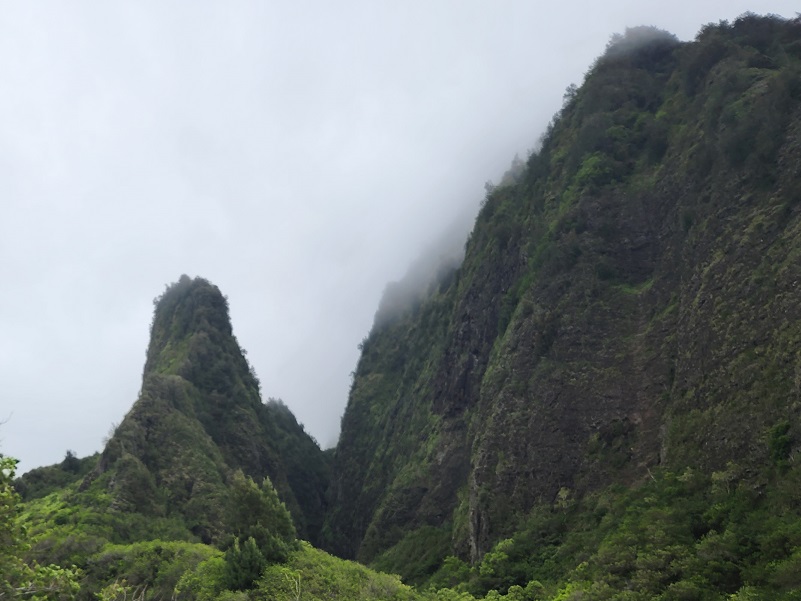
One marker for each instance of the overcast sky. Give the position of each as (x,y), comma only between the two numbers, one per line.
(297,154)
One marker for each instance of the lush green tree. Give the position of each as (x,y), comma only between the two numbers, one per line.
(19,579)
(256,512)
(71,462)
(243,565)
(122,591)
(313,575)
(204,583)
(155,566)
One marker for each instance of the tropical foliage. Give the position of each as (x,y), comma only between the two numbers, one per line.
(21,578)
(600,403)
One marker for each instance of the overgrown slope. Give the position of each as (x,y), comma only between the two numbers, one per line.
(602,402)
(200,416)
(627,304)
(169,470)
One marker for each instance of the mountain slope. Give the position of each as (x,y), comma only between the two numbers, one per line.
(601,402)
(627,303)
(199,417)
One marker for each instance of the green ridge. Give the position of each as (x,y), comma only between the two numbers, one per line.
(625,309)
(601,402)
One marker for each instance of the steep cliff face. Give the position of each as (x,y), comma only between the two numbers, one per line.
(629,300)
(200,417)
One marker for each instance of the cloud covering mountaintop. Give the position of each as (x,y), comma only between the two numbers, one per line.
(299,155)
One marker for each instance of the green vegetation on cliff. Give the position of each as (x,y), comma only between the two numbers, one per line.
(199,417)
(21,577)
(199,460)
(601,402)
(625,312)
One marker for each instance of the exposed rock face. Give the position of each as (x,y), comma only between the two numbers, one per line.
(631,300)
(199,417)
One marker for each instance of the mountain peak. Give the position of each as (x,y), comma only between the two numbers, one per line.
(187,308)
(200,417)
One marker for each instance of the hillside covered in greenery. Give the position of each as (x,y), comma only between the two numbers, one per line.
(601,401)
(626,318)
(199,460)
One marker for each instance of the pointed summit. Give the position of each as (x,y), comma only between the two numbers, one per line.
(188,310)
(199,418)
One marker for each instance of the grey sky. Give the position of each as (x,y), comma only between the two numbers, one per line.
(297,154)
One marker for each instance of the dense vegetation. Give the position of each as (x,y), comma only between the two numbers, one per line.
(199,468)
(601,402)
(625,312)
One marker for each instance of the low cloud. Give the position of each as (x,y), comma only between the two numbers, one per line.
(299,155)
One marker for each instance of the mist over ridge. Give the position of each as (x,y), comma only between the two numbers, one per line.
(593,395)
(596,330)
(299,177)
